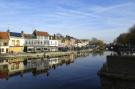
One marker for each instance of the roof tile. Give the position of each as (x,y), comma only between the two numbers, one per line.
(4,35)
(40,33)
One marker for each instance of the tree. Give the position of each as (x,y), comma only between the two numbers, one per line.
(123,38)
(97,42)
(127,38)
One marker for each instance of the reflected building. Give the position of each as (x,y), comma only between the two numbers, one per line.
(17,66)
(118,73)
(11,67)
(83,54)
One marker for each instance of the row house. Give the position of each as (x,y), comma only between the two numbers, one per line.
(70,41)
(11,42)
(16,42)
(67,41)
(53,43)
(4,42)
(30,42)
(83,43)
(61,40)
(36,42)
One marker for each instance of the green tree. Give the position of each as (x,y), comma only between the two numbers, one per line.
(127,38)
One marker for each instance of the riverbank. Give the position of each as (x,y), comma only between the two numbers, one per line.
(43,54)
(119,67)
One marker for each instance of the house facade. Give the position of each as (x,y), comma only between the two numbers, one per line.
(4,42)
(38,41)
(83,43)
(16,42)
(53,43)
(30,42)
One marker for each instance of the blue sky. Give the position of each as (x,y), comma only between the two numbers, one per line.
(104,19)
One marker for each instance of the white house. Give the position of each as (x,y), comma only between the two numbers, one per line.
(16,42)
(36,42)
(53,43)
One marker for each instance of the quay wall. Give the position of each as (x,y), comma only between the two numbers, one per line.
(36,55)
(43,54)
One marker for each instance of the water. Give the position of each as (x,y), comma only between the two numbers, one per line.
(55,73)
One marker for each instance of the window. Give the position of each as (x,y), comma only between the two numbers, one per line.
(2,50)
(26,42)
(45,48)
(13,42)
(5,44)
(6,50)
(17,43)
(12,67)
(29,49)
(29,42)
(45,42)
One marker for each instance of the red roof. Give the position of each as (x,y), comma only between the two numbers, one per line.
(4,35)
(40,33)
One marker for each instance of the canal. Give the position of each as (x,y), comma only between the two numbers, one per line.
(69,72)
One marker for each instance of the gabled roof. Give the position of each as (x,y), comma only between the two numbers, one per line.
(4,35)
(40,33)
(29,36)
(15,34)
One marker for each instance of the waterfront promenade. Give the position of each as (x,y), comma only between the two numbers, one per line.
(43,54)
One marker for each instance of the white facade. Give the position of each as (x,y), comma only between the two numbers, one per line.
(4,48)
(53,43)
(16,41)
(36,45)
(43,37)
(61,44)
(82,44)
(36,42)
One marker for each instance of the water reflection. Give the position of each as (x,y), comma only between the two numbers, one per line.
(118,73)
(97,53)
(13,67)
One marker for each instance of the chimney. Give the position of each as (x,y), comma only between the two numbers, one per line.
(8,30)
(54,36)
(22,32)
